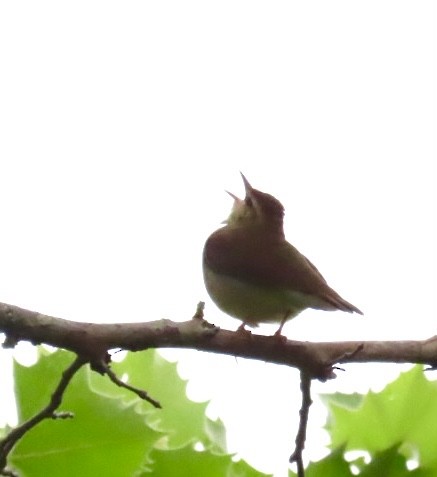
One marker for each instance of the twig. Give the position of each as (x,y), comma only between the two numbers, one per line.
(305,386)
(7,444)
(139,392)
(347,355)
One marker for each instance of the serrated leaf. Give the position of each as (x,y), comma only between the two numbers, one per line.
(389,463)
(105,437)
(184,420)
(333,465)
(349,401)
(216,432)
(186,462)
(404,413)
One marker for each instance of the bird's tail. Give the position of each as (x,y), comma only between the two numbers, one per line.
(340,303)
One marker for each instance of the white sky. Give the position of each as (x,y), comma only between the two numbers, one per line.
(122,123)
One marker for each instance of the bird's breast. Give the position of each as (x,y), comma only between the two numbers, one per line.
(252,303)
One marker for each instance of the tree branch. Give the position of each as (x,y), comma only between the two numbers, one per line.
(92,341)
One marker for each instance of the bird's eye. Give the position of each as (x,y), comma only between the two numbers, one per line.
(248,201)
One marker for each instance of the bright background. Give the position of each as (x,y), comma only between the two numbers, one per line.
(121,125)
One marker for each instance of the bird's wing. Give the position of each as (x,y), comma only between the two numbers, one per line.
(261,262)
(269,262)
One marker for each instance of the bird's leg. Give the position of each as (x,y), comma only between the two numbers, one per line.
(278,332)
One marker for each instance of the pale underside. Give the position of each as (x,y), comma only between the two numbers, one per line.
(255,304)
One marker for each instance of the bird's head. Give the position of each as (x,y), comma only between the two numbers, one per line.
(256,209)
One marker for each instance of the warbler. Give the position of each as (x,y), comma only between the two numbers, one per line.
(253,274)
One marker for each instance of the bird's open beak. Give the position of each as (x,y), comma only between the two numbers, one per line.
(236,200)
(247,186)
(232,195)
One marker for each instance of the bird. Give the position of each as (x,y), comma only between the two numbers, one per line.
(253,274)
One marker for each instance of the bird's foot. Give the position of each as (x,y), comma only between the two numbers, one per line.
(241,329)
(279,337)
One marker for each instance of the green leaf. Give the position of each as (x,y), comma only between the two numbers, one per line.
(182,419)
(333,465)
(348,401)
(186,462)
(216,432)
(389,463)
(105,437)
(403,415)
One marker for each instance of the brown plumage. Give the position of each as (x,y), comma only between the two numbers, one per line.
(254,274)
